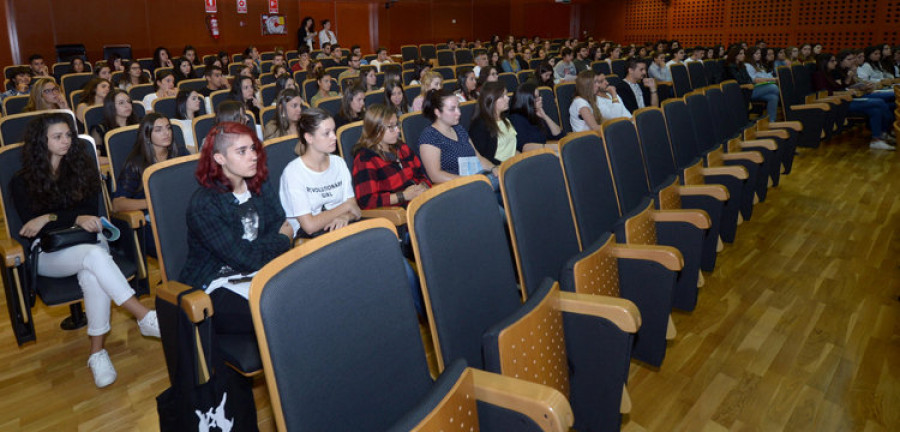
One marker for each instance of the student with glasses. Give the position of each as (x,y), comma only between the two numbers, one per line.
(45,95)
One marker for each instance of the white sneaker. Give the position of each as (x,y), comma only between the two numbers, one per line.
(102,368)
(149,325)
(881,145)
(888,138)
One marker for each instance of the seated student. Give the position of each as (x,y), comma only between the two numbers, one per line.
(115,62)
(215,81)
(117,112)
(677,57)
(871,70)
(94,92)
(386,172)
(103,71)
(161,58)
(488,74)
(134,75)
(337,54)
(244,91)
(481,60)
(285,82)
(444,146)
(224,59)
(77,64)
(303,60)
(250,57)
(420,68)
(781,59)
(395,97)
(353,70)
(495,56)
(39,69)
(636,90)
(58,188)
(510,63)
(468,85)
(382,59)
(184,70)
(316,188)
(582,60)
(187,106)
(368,78)
(353,106)
(765,86)
(324,82)
(430,81)
(190,53)
(326,51)
(235,224)
(696,55)
(532,124)
(658,69)
(492,134)
(834,74)
(356,50)
(543,76)
(45,95)
(565,69)
(165,87)
(20,85)
(288,107)
(595,101)
(154,144)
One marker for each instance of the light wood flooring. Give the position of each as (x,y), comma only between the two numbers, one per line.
(797,329)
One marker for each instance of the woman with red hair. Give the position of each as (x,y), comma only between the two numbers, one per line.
(235,223)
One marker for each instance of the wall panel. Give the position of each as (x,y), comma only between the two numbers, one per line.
(834,23)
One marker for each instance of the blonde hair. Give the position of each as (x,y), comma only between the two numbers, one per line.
(36,98)
(427,79)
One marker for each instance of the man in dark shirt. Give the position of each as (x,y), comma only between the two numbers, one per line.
(636,90)
(581,58)
(215,80)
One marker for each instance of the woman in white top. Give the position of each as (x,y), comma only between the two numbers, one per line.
(595,101)
(187,106)
(677,57)
(872,71)
(165,87)
(326,35)
(316,188)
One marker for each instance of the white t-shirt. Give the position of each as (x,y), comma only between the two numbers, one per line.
(304,191)
(148,101)
(608,111)
(575,120)
(187,129)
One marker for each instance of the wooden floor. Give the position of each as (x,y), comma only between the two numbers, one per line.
(797,329)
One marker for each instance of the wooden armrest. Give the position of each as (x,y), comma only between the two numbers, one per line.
(734,171)
(747,86)
(667,256)
(397,215)
(544,405)
(773,133)
(134,218)
(793,125)
(621,312)
(716,191)
(13,253)
(764,143)
(751,156)
(697,218)
(197,305)
(665,83)
(811,106)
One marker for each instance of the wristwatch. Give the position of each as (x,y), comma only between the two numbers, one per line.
(400,198)
(51,217)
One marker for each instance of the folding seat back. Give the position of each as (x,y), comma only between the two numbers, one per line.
(709,135)
(269,93)
(681,81)
(601,67)
(548,98)
(12,127)
(480,318)
(680,126)
(656,148)
(467,113)
(374,97)
(534,64)
(331,104)
(618,67)
(166,106)
(195,84)
(279,153)
(510,80)
(412,91)
(15,104)
(711,69)
(392,68)
(625,161)
(336,71)
(362,355)
(75,98)
(446,72)
(408,76)
(427,51)
(310,88)
(697,74)
(201,126)
(450,85)
(138,92)
(565,94)
(409,52)
(234,69)
(266,79)
(74,81)
(348,136)
(265,67)
(525,75)
(445,57)
(464,56)
(300,77)
(119,143)
(412,124)
(267,114)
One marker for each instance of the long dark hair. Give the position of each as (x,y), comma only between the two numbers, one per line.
(523,103)
(822,65)
(349,93)
(389,87)
(309,122)
(179,76)
(282,122)
(485,109)
(76,178)
(157,63)
(875,64)
(461,79)
(142,153)
(181,100)
(109,110)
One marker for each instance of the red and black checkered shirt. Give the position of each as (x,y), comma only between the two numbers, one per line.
(375,179)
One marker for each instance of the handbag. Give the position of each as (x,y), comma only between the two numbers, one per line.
(60,239)
(223,402)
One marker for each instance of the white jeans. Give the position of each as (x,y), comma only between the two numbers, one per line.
(99,277)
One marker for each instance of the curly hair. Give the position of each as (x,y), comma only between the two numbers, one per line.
(77,176)
(222,136)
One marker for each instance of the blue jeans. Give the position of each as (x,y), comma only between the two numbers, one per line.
(880,116)
(769,94)
(885,95)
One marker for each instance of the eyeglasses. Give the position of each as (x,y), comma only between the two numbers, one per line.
(392,127)
(50,90)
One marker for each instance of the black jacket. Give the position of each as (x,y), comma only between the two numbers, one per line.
(628,98)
